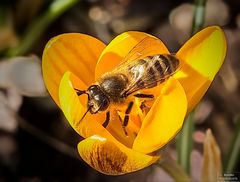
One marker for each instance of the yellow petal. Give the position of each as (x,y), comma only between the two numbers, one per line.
(111,157)
(201,58)
(120,46)
(75,52)
(74,109)
(164,119)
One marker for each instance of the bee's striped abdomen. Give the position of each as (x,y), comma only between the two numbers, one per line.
(157,69)
(150,71)
(165,65)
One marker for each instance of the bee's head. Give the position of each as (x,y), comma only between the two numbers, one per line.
(97,100)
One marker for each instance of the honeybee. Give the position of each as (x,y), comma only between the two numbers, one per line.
(137,71)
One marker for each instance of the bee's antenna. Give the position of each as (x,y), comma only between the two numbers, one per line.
(85,113)
(80,92)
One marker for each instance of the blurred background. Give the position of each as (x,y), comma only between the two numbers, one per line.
(36,141)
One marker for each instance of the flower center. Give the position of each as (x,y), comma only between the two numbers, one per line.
(119,117)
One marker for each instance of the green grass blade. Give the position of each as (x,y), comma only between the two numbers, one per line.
(199,16)
(36,29)
(185,143)
(234,151)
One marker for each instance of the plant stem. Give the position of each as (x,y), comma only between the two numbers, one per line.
(173,169)
(37,28)
(185,143)
(199,16)
(234,151)
(49,140)
(43,136)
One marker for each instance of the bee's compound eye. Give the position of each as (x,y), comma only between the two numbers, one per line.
(101,101)
(93,89)
(98,101)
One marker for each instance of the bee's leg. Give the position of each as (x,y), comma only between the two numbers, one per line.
(126,118)
(79,92)
(106,122)
(144,96)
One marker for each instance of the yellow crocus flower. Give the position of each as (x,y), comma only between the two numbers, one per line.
(75,60)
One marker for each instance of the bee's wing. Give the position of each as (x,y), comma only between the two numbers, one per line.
(147,79)
(146,47)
